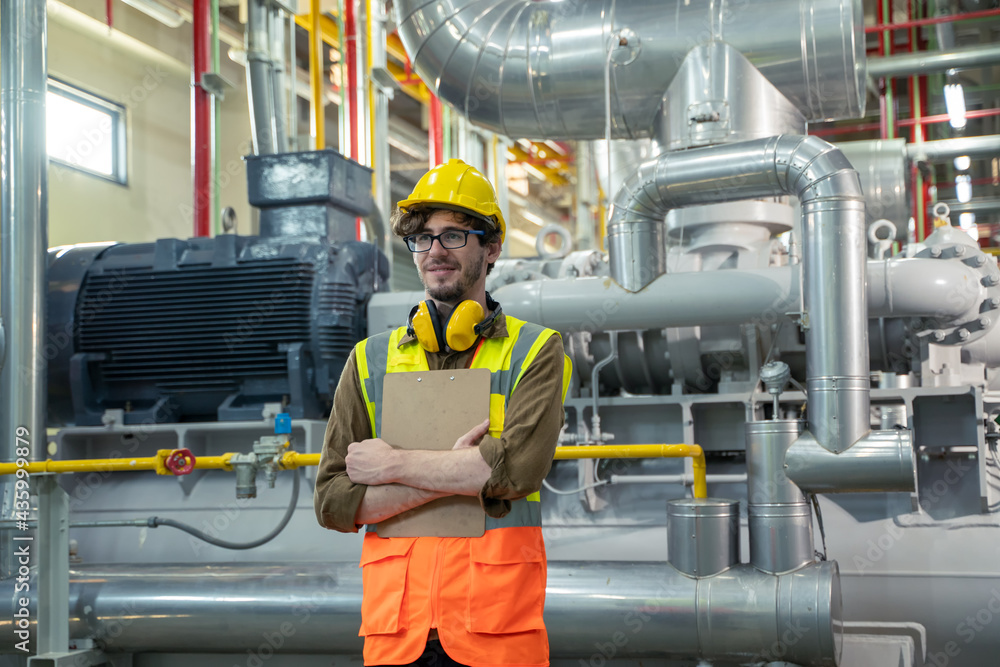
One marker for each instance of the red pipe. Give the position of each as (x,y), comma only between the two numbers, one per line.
(201,119)
(109,12)
(934,20)
(906,122)
(351,61)
(435,132)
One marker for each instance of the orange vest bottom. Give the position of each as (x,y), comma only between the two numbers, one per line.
(485,595)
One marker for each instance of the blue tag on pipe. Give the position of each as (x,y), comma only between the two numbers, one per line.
(282,424)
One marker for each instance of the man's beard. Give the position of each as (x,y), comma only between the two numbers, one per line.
(468,277)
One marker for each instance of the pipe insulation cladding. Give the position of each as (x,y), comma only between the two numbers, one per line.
(739,614)
(536,69)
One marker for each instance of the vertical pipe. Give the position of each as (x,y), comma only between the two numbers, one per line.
(23,238)
(886,104)
(216,118)
(276,39)
(379,101)
(351,62)
(292,101)
(317,119)
(354,65)
(780,520)
(201,120)
(259,85)
(445,133)
(435,138)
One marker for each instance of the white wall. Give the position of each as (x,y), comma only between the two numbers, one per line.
(144,66)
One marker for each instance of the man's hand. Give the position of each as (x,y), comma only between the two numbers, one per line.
(473,437)
(371,462)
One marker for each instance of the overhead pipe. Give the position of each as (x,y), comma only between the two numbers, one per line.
(145,608)
(536,69)
(934,20)
(926,62)
(23,241)
(945,150)
(259,79)
(202,128)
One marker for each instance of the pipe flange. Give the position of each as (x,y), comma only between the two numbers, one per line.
(953,245)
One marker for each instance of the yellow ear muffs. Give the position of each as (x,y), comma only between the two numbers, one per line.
(425,324)
(463,325)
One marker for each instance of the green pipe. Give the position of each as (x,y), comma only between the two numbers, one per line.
(446,132)
(216,123)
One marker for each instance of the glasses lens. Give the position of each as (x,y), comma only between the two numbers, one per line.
(420,242)
(453,240)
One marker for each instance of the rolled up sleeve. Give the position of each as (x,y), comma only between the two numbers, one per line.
(336,498)
(522,456)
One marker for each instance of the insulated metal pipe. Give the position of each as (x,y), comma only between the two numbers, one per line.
(834,244)
(536,69)
(924,62)
(23,238)
(897,287)
(259,81)
(740,614)
(703,535)
(949,149)
(882,461)
(276,33)
(779,516)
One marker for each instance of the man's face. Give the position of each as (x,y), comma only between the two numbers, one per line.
(451,276)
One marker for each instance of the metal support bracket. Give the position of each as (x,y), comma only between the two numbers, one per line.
(86,658)
(53,570)
(215,84)
(385,81)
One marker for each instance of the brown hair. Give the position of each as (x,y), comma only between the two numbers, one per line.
(411,221)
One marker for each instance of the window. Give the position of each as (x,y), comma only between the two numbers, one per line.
(85,132)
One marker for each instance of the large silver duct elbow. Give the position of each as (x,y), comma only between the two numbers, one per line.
(536,69)
(835,313)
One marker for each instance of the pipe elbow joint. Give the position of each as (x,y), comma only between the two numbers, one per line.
(878,461)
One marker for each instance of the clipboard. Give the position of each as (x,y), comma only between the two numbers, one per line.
(431,410)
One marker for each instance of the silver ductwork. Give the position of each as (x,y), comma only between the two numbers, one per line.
(23,241)
(719,97)
(316,608)
(537,69)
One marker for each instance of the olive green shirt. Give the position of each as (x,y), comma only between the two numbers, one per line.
(520,458)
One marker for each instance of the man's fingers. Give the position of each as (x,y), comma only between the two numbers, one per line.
(473,437)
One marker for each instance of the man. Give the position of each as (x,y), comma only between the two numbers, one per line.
(435,601)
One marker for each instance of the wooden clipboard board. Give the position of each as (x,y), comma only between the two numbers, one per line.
(431,410)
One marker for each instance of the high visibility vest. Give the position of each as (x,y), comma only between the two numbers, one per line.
(485,595)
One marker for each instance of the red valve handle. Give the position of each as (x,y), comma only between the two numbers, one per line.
(180,461)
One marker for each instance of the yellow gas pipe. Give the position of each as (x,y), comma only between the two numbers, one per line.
(293,460)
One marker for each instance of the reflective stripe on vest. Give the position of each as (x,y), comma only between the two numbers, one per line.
(506,358)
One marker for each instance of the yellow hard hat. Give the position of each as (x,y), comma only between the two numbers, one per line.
(458,185)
